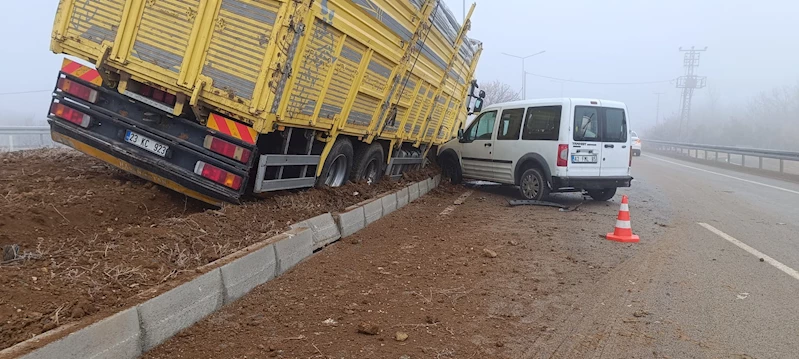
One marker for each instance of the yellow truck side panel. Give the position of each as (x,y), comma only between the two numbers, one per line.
(368,68)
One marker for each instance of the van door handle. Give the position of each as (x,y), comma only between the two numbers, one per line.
(487,145)
(609,146)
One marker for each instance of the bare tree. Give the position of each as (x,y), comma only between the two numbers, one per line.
(497,91)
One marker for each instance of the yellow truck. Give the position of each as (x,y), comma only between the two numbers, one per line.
(221,99)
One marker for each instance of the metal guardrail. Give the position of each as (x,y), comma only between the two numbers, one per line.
(16,138)
(728,150)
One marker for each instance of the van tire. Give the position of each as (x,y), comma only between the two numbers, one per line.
(368,164)
(532,185)
(602,195)
(334,173)
(452,170)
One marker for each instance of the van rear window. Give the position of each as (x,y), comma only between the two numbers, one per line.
(615,126)
(586,124)
(599,124)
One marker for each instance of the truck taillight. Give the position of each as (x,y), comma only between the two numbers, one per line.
(67,113)
(157,95)
(563,155)
(227,149)
(77,90)
(218,175)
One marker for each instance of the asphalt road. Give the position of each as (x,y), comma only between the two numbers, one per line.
(700,287)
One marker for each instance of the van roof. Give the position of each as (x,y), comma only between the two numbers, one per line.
(564,100)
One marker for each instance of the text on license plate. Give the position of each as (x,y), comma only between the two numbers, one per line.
(146,143)
(583,159)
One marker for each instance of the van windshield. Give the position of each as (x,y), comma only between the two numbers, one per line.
(599,124)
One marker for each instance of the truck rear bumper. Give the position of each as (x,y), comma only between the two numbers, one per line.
(143,165)
(591,182)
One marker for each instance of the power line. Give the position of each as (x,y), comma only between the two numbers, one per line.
(602,83)
(23,92)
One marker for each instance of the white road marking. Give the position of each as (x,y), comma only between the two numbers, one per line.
(724,175)
(788,270)
(458,202)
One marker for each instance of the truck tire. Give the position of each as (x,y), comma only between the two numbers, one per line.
(451,169)
(368,164)
(532,185)
(602,194)
(338,164)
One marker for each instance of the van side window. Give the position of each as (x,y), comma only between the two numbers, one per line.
(482,127)
(510,124)
(615,126)
(586,124)
(542,123)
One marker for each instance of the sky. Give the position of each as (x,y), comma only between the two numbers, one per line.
(752,47)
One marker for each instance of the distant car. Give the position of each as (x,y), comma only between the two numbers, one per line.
(636,143)
(543,146)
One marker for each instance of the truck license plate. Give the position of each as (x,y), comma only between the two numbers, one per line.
(583,159)
(146,143)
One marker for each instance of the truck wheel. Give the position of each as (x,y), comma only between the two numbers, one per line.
(452,170)
(532,185)
(369,164)
(602,194)
(338,164)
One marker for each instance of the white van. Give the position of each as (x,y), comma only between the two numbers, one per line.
(543,146)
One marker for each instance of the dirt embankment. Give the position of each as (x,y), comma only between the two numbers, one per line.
(484,280)
(82,238)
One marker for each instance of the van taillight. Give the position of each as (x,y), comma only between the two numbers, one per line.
(218,175)
(66,113)
(563,155)
(77,90)
(227,149)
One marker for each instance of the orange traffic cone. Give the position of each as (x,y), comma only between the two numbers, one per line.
(623,231)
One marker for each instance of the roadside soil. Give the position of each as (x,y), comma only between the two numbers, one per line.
(83,239)
(435,280)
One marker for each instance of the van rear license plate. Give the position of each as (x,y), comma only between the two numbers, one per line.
(146,143)
(583,159)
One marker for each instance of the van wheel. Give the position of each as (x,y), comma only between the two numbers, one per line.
(452,170)
(602,194)
(369,164)
(532,185)
(338,163)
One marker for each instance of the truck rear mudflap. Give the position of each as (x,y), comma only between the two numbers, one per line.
(174,152)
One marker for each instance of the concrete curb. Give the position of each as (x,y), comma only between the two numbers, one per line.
(403,198)
(424,187)
(373,210)
(292,250)
(117,336)
(351,221)
(324,227)
(241,276)
(133,331)
(389,203)
(165,315)
(413,192)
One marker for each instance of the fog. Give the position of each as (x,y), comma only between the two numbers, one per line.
(752,49)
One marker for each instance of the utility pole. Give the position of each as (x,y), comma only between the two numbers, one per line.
(657,108)
(524,73)
(689,82)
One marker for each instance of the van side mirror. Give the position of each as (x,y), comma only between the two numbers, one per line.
(460,134)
